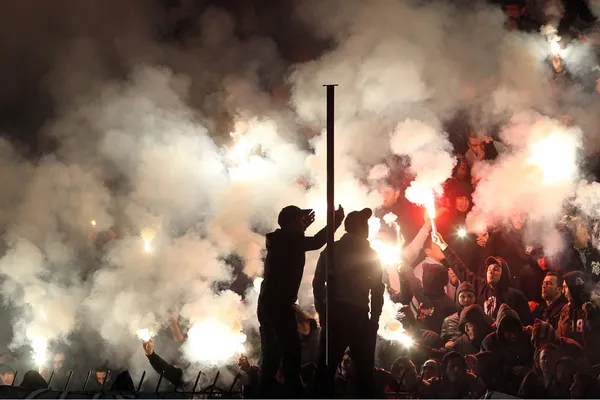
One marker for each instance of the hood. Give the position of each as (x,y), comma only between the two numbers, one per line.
(580,287)
(303,315)
(504,282)
(435,279)
(475,315)
(543,331)
(506,319)
(464,287)
(32,380)
(123,383)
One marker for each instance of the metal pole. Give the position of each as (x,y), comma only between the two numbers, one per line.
(104,381)
(159,381)
(196,384)
(14,378)
(139,387)
(68,381)
(50,380)
(86,380)
(330,212)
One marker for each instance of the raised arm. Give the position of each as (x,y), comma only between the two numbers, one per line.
(412,250)
(316,242)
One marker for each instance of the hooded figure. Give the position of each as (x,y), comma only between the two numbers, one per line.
(456,382)
(580,319)
(510,339)
(475,326)
(284,267)
(493,291)
(354,293)
(450,329)
(436,305)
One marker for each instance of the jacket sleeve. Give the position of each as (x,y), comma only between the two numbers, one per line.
(411,251)
(319,283)
(377,289)
(461,270)
(316,242)
(409,287)
(170,373)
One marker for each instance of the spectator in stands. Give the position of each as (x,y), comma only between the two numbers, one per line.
(553,299)
(540,382)
(579,319)
(566,368)
(7,374)
(482,148)
(542,333)
(464,298)
(456,382)
(518,18)
(493,291)
(431,369)
(409,382)
(580,254)
(476,327)
(513,343)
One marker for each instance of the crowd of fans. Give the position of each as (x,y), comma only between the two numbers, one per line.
(483,313)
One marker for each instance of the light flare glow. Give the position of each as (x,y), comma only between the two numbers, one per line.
(422,195)
(145,334)
(394,331)
(214,342)
(389,253)
(257,283)
(461,233)
(556,157)
(40,350)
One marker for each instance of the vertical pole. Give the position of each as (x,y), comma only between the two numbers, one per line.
(330,210)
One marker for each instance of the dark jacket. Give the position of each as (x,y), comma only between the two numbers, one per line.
(357,277)
(168,371)
(436,303)
(586,260)
(550,313)
(450,329)
(534,387)
(488,296)
(284,266)
(515,354)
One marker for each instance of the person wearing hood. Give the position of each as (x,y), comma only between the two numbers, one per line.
(476,327)
(493,291)
(456,382)
(509,244)
(465,296)
(405,373)
(309,329)
(284,267)
(580,319)
(580,255)
(356,283)
(513,342)
(553,299)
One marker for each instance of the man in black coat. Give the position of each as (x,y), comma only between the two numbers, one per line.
(284,266)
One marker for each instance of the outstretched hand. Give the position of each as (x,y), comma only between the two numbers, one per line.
(308,219)
(339,214)
(439,240)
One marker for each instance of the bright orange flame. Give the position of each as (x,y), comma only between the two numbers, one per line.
(423,196)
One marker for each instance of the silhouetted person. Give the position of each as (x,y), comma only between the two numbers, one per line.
(284,266)
(356,274)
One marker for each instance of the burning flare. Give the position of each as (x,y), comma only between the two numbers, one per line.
(390,254)
(148,236)
(214,342)
(556,157)
(40,350)
(423,196)
(144,334)
(394,331)
(461,233)
(93,223)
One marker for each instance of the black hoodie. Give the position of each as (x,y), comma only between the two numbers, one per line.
(472,314)
(488,296)
(517,353)
(284,266)
(450,330)
(435,299)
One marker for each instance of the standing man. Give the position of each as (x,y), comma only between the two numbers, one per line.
(357,275)
(284,266)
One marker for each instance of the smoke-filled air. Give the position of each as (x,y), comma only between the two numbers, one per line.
(142,165)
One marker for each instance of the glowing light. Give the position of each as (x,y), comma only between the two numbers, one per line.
(422,195)
(43,314)
(214,342)
(240,151)
(93,223)
(555,48)
(394,331)
(556,157)
(389,253)
(461,233)
(144,334)
(40,350)
(148,236)
(256,283)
